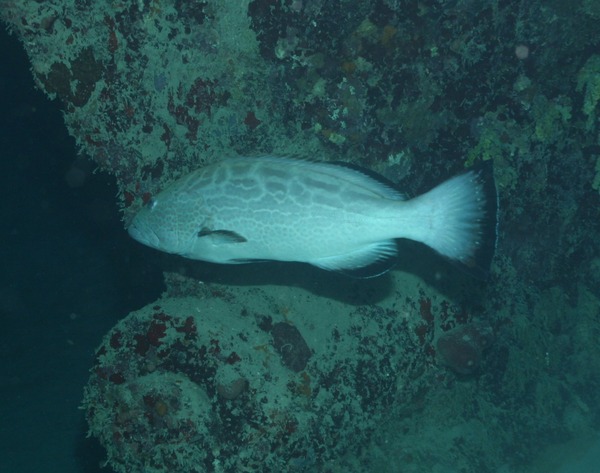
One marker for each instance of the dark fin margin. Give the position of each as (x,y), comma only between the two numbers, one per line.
(480,263)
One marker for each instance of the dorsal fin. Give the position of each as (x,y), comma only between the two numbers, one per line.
(393,187)
(375,182)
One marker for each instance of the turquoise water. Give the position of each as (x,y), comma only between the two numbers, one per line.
(422,369)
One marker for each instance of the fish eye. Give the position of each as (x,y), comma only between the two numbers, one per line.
(151,204)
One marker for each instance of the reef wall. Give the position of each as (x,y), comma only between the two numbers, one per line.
(414,90)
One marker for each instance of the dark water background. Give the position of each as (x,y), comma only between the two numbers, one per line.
(68,273)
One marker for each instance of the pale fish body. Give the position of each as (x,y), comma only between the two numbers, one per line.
(328,215)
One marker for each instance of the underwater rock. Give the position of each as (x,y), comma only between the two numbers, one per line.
(461,348)
(229,383)
(290,345)
(201,384)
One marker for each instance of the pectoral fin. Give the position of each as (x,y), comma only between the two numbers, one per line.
(221,237)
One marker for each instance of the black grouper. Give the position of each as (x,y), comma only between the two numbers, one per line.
(329,215)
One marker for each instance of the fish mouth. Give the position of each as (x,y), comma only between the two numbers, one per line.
(143,235)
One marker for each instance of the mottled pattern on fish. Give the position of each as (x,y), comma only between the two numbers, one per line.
(325,214)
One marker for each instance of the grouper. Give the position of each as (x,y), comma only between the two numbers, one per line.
(331,215)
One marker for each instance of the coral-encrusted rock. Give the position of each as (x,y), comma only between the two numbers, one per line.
(202,384)
(462,347)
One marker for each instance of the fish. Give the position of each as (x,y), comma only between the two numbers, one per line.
(332,215)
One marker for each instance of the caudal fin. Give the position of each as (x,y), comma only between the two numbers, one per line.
(461,218)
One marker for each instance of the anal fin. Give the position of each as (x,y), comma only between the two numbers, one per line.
(367,262)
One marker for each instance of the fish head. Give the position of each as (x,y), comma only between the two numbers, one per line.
(164,224)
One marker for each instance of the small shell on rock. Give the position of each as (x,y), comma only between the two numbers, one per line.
(229,383)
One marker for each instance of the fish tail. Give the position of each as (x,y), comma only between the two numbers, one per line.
(461,218)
